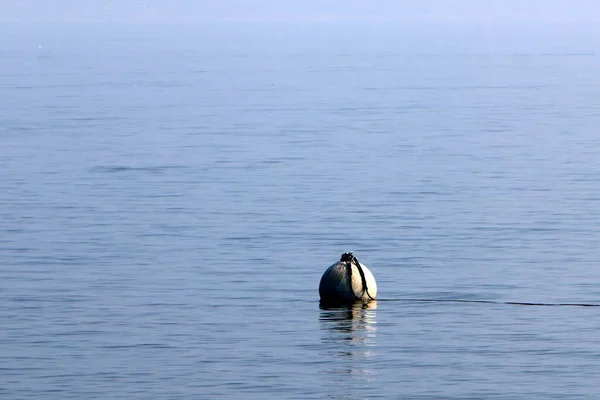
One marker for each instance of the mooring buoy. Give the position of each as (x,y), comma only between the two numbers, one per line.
(347,281)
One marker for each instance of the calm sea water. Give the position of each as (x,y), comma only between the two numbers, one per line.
(171,195)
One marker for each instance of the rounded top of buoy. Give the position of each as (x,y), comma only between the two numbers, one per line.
(347,281)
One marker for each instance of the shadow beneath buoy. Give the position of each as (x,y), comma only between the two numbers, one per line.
(347,312)
(349,344)
(353,322)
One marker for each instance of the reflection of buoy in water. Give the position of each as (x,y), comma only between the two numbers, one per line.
(347,281)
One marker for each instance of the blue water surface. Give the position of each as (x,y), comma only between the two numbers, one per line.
(171,194)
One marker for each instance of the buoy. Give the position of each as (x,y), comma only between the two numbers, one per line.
(347,281)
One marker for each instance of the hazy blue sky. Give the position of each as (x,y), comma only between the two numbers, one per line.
(294,10)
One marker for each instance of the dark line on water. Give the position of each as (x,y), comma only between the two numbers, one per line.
(512,303)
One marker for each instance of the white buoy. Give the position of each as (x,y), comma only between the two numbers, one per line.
(347,281)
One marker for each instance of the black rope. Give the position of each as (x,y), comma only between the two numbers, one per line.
(513,303)
(349,258)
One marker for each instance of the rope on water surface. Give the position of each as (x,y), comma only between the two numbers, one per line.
(349,258)
(513,303)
